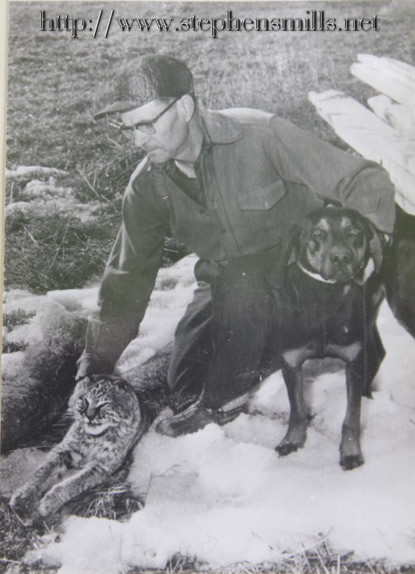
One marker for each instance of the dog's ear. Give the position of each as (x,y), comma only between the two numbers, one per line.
(375,252)
(375,245)
(291,251)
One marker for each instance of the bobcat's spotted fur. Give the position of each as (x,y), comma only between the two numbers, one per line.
(108,423)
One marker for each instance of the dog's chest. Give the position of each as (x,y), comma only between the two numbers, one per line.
(321,320)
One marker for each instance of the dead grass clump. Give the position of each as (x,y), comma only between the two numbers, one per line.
(114,501)
(107,178)
(55,252)
(16,539)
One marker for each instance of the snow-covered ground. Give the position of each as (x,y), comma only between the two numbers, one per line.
(40,197)
(223,494)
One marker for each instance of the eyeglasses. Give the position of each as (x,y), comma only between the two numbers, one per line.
(144,127)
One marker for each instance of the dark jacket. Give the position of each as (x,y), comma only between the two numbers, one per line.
(260,175)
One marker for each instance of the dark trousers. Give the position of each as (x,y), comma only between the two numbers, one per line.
(223,343)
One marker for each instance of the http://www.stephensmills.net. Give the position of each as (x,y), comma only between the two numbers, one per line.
(313,21)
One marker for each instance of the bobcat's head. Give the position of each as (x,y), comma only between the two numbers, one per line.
(101,402)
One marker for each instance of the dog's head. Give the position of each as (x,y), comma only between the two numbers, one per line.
(338,244)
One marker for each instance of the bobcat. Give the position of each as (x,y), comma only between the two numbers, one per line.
(108,422)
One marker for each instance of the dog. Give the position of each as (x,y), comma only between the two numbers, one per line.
(327,307)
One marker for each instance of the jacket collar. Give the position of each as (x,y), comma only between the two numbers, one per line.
(219,128)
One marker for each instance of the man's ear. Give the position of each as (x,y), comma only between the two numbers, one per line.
(187,105)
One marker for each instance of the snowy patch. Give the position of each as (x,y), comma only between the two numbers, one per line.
(40,198)
(223,495)
(29,171)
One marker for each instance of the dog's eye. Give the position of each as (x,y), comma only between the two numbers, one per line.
(319,233)
(354,231)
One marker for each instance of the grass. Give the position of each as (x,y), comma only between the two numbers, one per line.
(53,82)
(54,87)
(49,252)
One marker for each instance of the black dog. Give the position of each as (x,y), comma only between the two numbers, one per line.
(328,308)
(316,297)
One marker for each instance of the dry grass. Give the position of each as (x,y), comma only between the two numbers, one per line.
(53,82)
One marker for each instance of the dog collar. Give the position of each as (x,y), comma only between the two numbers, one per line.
(316,276)
(368,270)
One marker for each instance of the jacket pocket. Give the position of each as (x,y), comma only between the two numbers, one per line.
(262,198)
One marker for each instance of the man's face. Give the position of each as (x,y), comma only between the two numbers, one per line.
(170,130)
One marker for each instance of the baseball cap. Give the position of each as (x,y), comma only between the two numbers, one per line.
(145,79)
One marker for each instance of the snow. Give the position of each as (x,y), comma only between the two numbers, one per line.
(28,171)
(46,197)
(224,496)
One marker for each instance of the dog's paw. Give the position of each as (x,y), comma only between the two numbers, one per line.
(350,462)
(283,449)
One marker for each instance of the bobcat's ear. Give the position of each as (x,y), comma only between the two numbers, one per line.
(80,388)
(123,384)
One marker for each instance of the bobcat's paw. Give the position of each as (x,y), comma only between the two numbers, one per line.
(49,504)
(22,501)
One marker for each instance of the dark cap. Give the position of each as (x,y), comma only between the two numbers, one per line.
(145,79)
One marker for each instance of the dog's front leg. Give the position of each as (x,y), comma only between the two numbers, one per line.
(350,451)
(299,418)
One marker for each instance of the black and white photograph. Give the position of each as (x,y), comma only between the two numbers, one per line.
(208,355)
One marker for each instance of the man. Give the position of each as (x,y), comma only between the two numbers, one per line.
(227,184)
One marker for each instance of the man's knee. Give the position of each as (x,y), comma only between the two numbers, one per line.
(192,345)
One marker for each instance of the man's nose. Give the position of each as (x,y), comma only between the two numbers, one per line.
(140,138)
